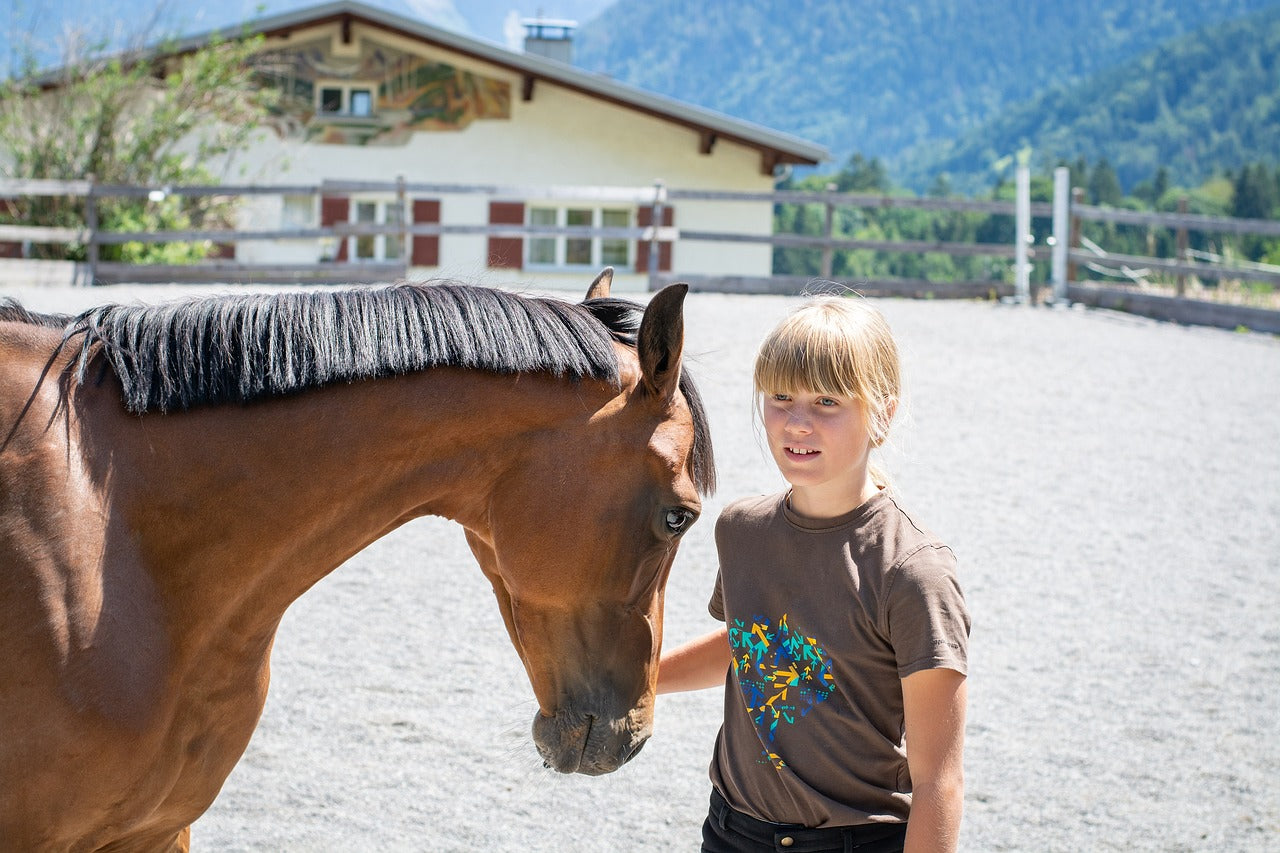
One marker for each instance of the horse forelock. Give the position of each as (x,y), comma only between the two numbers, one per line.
(622,318)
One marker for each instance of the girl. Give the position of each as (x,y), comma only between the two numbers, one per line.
(846,632)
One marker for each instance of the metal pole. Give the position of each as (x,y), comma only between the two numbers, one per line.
(655,222)
(1061,229)
(1022,231)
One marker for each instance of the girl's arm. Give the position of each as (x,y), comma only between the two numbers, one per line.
(696,665)
(934,707)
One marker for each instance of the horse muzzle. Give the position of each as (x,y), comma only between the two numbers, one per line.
(572,742)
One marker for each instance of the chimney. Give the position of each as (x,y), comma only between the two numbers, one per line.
(552,38)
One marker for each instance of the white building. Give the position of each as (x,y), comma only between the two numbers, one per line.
(373,96)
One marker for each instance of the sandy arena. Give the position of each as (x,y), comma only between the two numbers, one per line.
(1111,486)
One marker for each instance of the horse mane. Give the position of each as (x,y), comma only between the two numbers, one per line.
(12,312)
(246,347)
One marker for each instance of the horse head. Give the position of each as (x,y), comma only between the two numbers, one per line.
(580,540)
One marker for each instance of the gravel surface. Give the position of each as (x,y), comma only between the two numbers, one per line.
(1111,486)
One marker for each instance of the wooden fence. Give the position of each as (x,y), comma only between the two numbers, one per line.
(1066,248)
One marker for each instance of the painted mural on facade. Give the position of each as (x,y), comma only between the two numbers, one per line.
(379,97)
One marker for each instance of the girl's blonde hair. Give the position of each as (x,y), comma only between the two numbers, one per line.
(835,345)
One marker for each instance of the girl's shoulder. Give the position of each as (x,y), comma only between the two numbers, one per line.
(752,510)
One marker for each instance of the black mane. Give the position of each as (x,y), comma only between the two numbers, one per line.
(241,348)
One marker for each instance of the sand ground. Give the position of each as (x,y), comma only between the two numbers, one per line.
(1111,486)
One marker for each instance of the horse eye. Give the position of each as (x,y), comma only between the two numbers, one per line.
(678,519)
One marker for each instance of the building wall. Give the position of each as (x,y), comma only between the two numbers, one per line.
(560,138)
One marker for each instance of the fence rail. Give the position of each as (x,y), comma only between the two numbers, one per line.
(1065,249)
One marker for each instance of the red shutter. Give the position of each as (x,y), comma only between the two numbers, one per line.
(644,217)
(506,252)
(335,209)
(426,248)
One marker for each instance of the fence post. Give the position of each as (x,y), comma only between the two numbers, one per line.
(91,228)
(655,222)
(406,249)
(828,253)
(1077,197)
(1021,233)
(1182,247)
(1061,227)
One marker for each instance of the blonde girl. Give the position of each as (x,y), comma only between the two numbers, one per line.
(844,650)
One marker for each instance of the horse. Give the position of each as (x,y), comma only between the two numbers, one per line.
(173,477)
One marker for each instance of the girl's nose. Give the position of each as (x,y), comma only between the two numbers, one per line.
(798,423)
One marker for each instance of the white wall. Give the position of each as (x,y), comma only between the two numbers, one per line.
(560,138)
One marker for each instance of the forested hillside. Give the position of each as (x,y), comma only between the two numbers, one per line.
(891,80)
(1197,104)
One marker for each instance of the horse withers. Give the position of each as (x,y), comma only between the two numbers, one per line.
(173,477)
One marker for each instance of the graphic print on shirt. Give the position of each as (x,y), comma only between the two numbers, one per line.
(782,673)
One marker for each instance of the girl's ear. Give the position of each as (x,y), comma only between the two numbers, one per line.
(880,426)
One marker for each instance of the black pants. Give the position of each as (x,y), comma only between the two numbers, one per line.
(729,831)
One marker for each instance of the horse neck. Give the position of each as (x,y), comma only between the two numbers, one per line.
(251,505)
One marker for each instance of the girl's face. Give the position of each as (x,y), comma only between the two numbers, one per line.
(821,445)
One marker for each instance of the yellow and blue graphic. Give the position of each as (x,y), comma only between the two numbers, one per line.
(782,673)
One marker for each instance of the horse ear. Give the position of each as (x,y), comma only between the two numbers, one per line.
(599,288)
(661,340)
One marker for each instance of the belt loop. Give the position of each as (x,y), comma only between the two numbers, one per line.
(722,813)
(848,841)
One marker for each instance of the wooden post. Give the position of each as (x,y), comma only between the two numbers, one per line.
(405,246)
(1021,232)
(655,222)
(1182,247)
(1077,197)
(827,252)
(91,228)
(1061,226)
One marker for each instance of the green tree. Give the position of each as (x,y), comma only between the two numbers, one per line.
(139,118)
(1254,195)
(1104,186)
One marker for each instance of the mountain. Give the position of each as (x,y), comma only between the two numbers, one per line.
(875,77)
(1206,101)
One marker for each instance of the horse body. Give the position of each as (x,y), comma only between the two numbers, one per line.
(146,561)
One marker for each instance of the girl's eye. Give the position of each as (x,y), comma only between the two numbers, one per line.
(827,401)
(781,398)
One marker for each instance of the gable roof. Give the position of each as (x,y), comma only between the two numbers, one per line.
(775,147)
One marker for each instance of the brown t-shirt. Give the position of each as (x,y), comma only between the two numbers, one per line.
(825,618)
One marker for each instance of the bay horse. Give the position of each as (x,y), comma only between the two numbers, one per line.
(172,477)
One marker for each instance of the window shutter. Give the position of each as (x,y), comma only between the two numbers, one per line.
(644,217)
(335,209)
(426,248)
(506,252)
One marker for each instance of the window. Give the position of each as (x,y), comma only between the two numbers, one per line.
(573,251)
(361,102)
(345,99)
(298,211)
(376,247)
